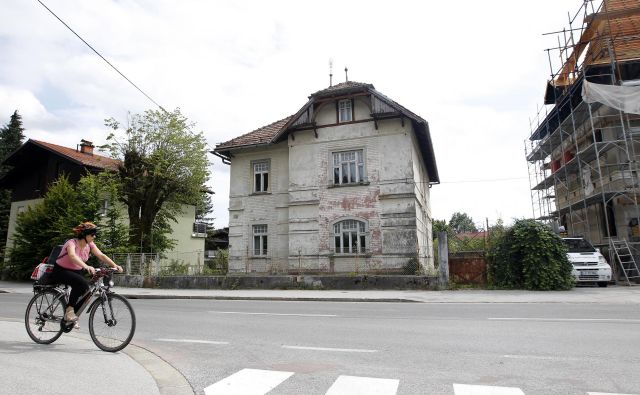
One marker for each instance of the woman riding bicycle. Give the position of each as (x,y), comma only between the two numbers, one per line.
(71,262)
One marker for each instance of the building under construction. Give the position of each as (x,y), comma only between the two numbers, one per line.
(584,146)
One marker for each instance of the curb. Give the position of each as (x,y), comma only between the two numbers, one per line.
(269,298)
(168,379)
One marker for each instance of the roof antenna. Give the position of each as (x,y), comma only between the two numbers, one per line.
(330,72)
(346,75)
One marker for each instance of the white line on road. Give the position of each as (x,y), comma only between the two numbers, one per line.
(464,389)
(542,357)
(285,314)
(564,319)
(329,349)
(191,341)
(352,385)
(248,382)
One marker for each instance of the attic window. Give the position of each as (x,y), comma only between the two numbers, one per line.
(345,111)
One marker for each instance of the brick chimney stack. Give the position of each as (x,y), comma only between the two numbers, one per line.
(86,147)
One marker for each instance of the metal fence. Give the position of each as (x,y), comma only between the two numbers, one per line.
(191,263)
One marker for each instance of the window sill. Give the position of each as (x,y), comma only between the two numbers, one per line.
(353,184)
(352,255)
(260,193)
(260,257)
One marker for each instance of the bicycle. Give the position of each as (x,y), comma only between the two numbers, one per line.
(112,321)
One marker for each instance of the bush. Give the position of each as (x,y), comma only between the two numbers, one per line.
(530,256)
(412,267)
(219,265)
(175,268)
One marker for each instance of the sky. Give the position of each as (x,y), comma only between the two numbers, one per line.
(475,70)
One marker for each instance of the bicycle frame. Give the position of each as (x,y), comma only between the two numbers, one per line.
(107,332)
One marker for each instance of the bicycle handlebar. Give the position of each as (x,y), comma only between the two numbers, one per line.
(101,272)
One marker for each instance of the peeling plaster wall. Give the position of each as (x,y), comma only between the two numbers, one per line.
(247,209)
(303,204)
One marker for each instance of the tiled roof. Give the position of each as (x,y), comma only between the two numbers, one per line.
(90,160)
(261,135)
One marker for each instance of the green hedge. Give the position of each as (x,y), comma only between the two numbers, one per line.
(529,256)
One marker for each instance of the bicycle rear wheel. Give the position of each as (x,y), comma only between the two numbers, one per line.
(44,314)
(112,323)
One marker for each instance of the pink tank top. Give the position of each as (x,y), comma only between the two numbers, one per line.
(82,253)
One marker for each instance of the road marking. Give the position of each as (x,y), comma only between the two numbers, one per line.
(329,349)
(464,389)
(565,319)
(248,382)
(605,393)
(283,314)
(542,357)
(191,341)
(352,385)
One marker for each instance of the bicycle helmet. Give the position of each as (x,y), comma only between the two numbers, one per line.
(85,229)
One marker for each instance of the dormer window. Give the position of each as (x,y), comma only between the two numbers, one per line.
(345,111)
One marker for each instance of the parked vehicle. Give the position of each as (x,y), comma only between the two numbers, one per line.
(589,265)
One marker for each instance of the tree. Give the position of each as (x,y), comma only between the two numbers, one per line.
(164,165)
(439,225)
(461,223)
(47,224)
(11,137)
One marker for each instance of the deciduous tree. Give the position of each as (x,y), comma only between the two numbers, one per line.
(164,166)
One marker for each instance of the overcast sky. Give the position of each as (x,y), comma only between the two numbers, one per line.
(475,70)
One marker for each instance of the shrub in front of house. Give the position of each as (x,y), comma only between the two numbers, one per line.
(529,255)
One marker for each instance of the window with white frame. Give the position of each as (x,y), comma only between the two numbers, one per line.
(350,237)
(345,111)
(348,167)
(261,176)
(259,240)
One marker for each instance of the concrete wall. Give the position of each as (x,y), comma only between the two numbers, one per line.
(13,215)
(182,231)
(279,282)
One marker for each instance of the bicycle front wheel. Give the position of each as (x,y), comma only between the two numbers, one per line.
(44,316)
(112,322)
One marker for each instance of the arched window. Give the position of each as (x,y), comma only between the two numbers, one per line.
(350,237)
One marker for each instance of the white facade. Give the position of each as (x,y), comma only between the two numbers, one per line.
(375,216)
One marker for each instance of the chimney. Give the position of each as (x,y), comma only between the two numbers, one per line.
(86,147)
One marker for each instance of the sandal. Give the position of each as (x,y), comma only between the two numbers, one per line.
(70,316)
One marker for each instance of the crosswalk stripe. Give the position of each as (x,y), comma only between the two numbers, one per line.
(248,382)
(353,385)
(465,389)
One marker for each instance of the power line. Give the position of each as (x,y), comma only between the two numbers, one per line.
(486,180)
(103,58)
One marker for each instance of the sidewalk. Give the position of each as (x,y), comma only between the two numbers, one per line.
(72,364)
(610,295)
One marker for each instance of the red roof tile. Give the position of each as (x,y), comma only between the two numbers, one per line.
(91,160)
(261,135)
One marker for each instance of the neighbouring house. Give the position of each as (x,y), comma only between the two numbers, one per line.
(342,185)
(584,148)
(36,164)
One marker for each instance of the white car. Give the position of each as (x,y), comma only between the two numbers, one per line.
(589,265)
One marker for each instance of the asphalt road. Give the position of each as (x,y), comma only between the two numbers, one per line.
(420,348)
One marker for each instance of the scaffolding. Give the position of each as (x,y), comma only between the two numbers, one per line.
(582,156)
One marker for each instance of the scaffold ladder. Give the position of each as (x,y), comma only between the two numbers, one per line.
(625,258)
